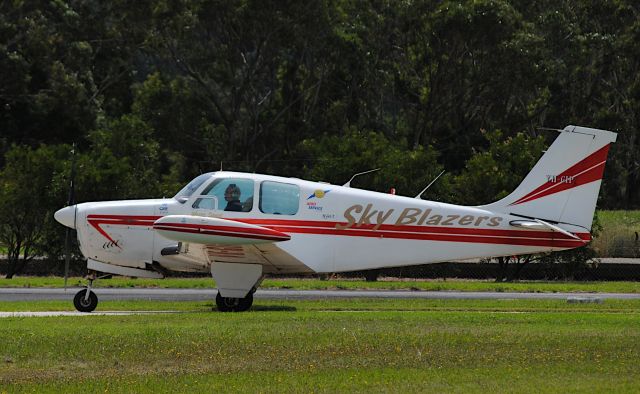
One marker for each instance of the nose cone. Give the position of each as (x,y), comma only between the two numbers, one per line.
(66,216)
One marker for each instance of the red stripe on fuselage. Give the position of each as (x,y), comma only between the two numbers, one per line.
(546,242)
(119,220)
(428,233)
(425,233)
(292,225)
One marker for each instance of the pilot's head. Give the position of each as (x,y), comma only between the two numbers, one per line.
(232,193)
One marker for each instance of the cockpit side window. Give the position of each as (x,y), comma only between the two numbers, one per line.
(279,198)
(227,194)
(183,195)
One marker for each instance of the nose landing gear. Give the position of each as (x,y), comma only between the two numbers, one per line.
(86,300)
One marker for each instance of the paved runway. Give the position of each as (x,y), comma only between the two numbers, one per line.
(34,294)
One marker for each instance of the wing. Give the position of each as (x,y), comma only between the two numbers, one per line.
(228,241)
(211,231)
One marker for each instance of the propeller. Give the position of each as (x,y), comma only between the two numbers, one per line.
(70,202)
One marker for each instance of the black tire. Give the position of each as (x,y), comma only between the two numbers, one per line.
(229,304)
(83,305)
(245,303)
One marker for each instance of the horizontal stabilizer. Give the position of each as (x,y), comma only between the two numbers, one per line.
(210,231)
(537,224)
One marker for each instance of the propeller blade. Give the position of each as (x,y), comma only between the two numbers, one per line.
(70,202)
(67,257)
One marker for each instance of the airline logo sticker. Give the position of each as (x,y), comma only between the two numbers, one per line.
(314,205)
(318,194)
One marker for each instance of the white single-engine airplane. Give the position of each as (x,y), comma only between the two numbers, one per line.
(240,226)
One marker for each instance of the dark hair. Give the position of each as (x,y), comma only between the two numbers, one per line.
(235,190)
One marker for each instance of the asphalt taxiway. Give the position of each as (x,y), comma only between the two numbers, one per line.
(110,294)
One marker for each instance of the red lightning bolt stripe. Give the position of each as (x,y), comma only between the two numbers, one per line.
(588,170)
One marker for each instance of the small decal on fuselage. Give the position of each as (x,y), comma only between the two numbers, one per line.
(318,194)
(314,206)
(111,244)
(560,178)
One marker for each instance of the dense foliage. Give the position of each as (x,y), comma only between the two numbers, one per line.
(155,92)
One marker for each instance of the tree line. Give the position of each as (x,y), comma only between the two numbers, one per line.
(151,93)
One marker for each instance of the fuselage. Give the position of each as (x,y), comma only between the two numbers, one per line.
(331,228)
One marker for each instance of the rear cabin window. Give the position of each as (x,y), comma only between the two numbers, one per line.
(227,194)
(279,198)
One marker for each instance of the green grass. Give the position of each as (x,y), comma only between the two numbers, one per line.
(458,285)
(355,284)
(617,238)
(359,345)
(338,304)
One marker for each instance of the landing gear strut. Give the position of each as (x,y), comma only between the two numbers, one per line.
(86,300)
(229,304)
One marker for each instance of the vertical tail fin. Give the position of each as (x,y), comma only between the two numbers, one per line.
(563,186)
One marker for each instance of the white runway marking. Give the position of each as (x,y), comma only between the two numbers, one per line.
(75,313)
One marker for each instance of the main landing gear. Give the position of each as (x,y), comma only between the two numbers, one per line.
(86,300)
(229,304)
(236,284)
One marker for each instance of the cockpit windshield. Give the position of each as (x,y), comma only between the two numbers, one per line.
(183,195)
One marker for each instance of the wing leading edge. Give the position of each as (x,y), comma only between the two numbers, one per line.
(215,231)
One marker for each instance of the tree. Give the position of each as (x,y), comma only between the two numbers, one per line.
(250,72)
(124,162)
(493,174)
(28,199)
(336,158)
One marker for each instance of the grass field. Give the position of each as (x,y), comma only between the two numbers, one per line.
(355,284)
(327,346)
(618,236)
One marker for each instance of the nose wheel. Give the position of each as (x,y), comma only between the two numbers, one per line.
(85,300)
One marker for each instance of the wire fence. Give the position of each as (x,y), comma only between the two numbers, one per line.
(597,269)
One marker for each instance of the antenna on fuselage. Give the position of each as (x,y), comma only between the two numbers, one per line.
(348,184)
(549,129)
(419,196)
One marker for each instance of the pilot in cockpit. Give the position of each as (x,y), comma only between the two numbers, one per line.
(232,197)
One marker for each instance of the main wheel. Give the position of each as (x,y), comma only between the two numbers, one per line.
(245,303)
(84,304)
(229,304)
